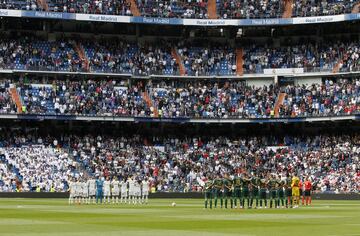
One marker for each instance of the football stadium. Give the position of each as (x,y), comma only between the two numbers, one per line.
(180,117)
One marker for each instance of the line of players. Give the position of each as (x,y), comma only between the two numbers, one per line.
(278,191)
(105,191)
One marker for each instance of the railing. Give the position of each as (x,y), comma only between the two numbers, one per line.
(134,72)
(206,120)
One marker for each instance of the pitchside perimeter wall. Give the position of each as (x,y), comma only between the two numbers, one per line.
(170,195)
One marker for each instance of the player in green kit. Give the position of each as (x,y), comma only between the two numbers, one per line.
(208,189)
(263,190)
(237,190)
(245,191)
(281,193)
(255,183)
(273,187)
(227,193)
(217,187)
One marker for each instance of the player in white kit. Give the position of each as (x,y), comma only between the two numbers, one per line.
(72,191)
(124,191)
(137,191)
(85,192)
(131,183)
(115,190)
(107,190)
(145,190)
(92,190)
(78,191)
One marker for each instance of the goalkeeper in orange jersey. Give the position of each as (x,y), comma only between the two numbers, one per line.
(295,191)
(308,187)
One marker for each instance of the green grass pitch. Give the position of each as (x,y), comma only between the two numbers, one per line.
(55,217)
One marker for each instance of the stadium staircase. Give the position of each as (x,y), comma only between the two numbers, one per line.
(82,55)
(133,8)
(279,102)
(356,8)
(149,103)
(44,5)
(288,9)
(177,57)
(212,9)
(239,62)
(16,98)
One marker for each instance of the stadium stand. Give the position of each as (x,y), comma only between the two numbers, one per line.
(163,58)
(178,165)
(321,8)
(184,99)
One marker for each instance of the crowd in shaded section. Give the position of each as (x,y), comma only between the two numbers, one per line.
(196,9)
(302,8)
(173,9)
(313,57)
(180,99)
(198,58)
(175,164)
(247,9)
(7,105)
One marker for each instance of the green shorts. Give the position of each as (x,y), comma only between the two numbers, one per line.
(273,193)
(245,192)
(281,193)
(208,194)
(255,193)
(227,193)
(288,192)
(237,192)
(262,193)
(216,193)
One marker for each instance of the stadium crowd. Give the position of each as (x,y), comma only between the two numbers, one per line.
(311,57)
(198,9)
(302,8)
(7,105)
(180,165)
(328,98)
(235,9)
(40,167)
(173,9)
(199,59)
(231,99)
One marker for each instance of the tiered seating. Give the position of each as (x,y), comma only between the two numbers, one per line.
(20,5)
(304,8)
(176,8)
(208,60)
(37,99)
(108,7)
(250,8)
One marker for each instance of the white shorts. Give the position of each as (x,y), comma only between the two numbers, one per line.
(107,193)
(123,194)
(92,192)
(115,193)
